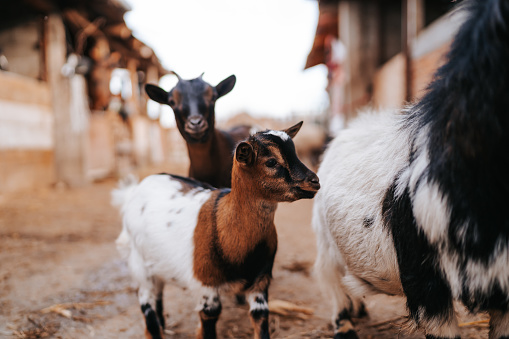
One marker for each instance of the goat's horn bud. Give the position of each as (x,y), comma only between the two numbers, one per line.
(175,73)
(201,75)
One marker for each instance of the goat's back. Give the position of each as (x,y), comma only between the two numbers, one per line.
(159,220)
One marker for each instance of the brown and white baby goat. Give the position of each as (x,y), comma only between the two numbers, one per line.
(210,150)
(213,240)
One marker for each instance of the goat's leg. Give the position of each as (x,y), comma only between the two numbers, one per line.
(343,326)
(347,307)
(240,299)
(259,314)
(330,271)
(430,304)
(159,286)
(499,325)
(210,310)
(147,299)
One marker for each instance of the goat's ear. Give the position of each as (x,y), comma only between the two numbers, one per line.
(292,131)
(157,94)
(225,86)
(245,153)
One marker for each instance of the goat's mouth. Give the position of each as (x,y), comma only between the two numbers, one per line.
(196,133)
(305,193)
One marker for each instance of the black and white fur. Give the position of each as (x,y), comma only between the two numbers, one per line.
(415,203)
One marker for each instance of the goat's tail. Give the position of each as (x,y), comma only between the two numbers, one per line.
(121,194)
(119,197)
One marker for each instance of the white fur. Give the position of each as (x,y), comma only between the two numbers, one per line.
(368,151)
(256,306)
(280,134)
(164,229)
(431,212)
(209,300)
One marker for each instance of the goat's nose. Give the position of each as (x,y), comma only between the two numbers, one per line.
(313,180)
(195,121)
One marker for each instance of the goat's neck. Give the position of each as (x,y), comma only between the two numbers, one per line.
(204,155)
(244,219)
(202,149)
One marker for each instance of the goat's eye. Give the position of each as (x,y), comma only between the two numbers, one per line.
(271,163)
(171,103)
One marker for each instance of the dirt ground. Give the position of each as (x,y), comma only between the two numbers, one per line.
(61,277)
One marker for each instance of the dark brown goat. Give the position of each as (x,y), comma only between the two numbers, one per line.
(210,149)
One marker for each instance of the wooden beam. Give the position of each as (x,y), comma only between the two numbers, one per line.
(69,128)
(412,23)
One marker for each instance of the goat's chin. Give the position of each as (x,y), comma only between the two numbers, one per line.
(299,193)
(197,137)
(197,134)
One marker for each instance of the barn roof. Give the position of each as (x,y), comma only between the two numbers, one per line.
(327,25)
(85,19)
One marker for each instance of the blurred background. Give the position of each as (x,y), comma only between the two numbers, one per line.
(72,104)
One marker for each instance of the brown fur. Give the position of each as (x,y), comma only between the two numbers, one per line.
(237,230)
(232,226)
(149,336)
(235,239)
(177,98)
(258,324)
(208,95)
(212,161)
(206,322)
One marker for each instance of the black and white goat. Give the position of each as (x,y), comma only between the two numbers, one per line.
(211,240)
(415,204)
(210,149)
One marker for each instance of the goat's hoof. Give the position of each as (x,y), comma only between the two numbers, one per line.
(345,330)
(351,334)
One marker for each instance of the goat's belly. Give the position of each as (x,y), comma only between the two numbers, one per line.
(172,261)
(370,258)
(356,172)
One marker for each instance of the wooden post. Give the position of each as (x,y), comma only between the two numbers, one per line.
(132,67)
(69,132)
(412,23)
(344,36)
(358,30)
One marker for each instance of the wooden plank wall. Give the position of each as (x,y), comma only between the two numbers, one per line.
(26,133)
(427,53)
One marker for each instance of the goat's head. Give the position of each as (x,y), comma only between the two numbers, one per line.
(193,103)
(270,161)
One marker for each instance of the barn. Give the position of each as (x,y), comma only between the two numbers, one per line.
(72,108)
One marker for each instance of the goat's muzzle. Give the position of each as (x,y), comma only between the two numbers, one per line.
(307,188)
(196,128)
